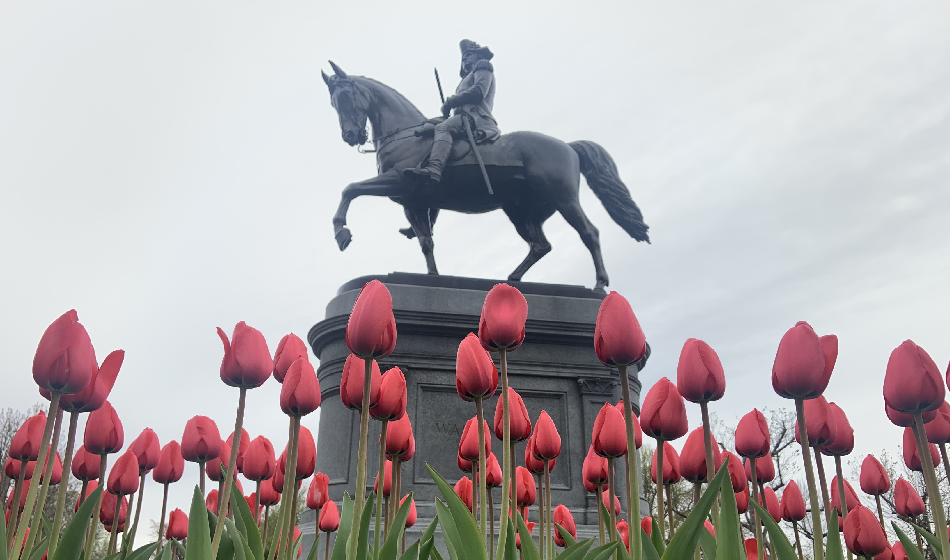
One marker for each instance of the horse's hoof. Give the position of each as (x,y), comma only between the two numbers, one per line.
(408,232)
(343,238)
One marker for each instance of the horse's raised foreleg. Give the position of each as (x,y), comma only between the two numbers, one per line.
(530,229)
(421,222)
(387,184)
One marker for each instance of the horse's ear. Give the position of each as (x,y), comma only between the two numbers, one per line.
(339,71)
(326,79)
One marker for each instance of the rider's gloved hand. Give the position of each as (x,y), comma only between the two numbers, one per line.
(447,106)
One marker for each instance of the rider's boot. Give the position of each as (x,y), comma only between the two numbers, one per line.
(432,172)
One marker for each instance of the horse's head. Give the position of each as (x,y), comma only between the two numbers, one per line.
(351,103)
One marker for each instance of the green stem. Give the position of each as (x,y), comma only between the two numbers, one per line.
(491,527)
(823,482)
(161,522)
(257,503)
(91,534)
(600,515)
(710,464)
(290,491)
(547,504)
(842,497)
(798,541)
(611,513)
(115,523)
(64,484)
(15,506)
(880,511)
(936,502)
(482,467)
(138,510)
(353,541)
(225,494)
(542,541)
(660,506)
(633,470)
(755,499)
(381,479)
(818,541)
(507,456)
(35,481)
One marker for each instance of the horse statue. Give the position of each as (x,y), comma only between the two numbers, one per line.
(532,175)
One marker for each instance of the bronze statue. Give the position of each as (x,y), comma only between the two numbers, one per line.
(533,175)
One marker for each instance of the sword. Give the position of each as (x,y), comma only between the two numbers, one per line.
(471,137)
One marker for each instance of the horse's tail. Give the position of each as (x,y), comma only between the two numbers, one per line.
(601,173)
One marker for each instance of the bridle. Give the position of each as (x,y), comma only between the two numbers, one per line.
(379,143)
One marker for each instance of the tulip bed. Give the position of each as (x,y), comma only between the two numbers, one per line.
(225,524)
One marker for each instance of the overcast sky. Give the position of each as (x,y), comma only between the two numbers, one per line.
(170,167)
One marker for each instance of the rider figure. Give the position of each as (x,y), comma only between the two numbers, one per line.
(473,99)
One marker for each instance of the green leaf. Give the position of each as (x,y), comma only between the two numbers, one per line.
(240,547)
(453,541)
(247,525)
(142,553)
(729,545)
(70,545)
(468,530)
(316,545)
(427,541)
(657,537)
(199,532)
(599,553)
(528,550)
(39,549)
(910,548)
(686,538)
(363,543)
(930,538)
(649,551)
(389,551)
(707,542)
(833,548)
(783,549)
(569,539)
(179,546)
(166,553)
(343,532)
(411,553)
(575,550)
(511,546)
(435,554)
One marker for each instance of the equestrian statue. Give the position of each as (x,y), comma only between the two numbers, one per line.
(462,162)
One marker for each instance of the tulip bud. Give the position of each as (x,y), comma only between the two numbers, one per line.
(752,435)
(329,518)
(107,512)
(398,437)
(124,477)
(562,517)
(647,525)
(594,469)
(147,449)
(692,462)
(609,435)
(874,479)
(819,423)
(863,533)
(215,468)
(769,501)
(269,496)
(103,433)
(90,488)
(663,414)
(851,497)
(392,396)
(260,461)
(475,373)
(764,469)
(519,422)
(468,443)
(504,313)
(463,488)
(547,442)
(671,470)
(64,360)
(913,382)
(177,525)
(242,448)
(465,465)
(618,338)
(793,503)
(912,454)
(211,500)
(411,517)
(526,492)
(171,464)
(289,349)
(898,551)
(351,384)
(371,329)
(637,431)
(492,471)
(25,445)
(300,392)
(938,429)
(100,385)
(904,420)
(201,441)
(623,531)
(387,479)
(531,461)
(751,549)
(319,491)
(742,500)
(306,456)
(802,368)
(605,499)
(736,473)
(843,442)
(907,501)
(247,362)
(412,449)
(56,476)
(85,465)
(699,374)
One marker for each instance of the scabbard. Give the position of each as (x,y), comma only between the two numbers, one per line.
(478,156)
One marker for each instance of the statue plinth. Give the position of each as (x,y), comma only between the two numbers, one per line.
(554,370)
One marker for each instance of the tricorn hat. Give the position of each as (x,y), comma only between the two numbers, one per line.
(467,46)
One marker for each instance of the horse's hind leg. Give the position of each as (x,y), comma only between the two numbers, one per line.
(422,226)
(530,228)
(575,216)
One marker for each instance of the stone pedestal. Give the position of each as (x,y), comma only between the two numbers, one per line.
(554,370)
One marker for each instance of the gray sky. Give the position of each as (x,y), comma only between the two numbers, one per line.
(170,167)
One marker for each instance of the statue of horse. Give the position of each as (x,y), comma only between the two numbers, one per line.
(532,175)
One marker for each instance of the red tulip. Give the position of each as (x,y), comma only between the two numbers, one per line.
(647,525)
(103,434)
(25,445)
(637,431)
(387,479)
(742,500)
(913,382)
(289,349)
(398,437)
(663,414)
(319,491)
(903,420)
(874,479)
(819,422)
(177,525)
(671,471)
(618,338)
(843,443)
(300,392)
(594,469)
(803,363)
(492,471)
(764,469)
(464,490)
(692,461)
(769,501)
(751,549)
(530,525)
(215,468)
(938,429)
(526,492)
(371,329)
(65,359)
(468,443)
(736,473)
(504,313)
(21,505)
(11,468)
(171,465)
(907,501)
(898,551)
(752,435)
(519,421)
(211,500)
(85,465)
(793,504)
(623,531)
(242,448)
(260,461)
(863,533)
(605,499)
(562,516)
(90,488)
(411,517)
(710,528)
(107,511)
(329,517)
(99,387)
(392,396)
(851,499)
(56,476)
(247,362)
(351,384)
(306,455)
(532,462)
(412,449)
(201,440)
(269,496)
(609,436)
(547,442)
(465,465)
(912,455)
(475,373)
(124,477)
(147,449)
(699,374)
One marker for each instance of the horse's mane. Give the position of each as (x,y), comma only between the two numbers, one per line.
(377,85)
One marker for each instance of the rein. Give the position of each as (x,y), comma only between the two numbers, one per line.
(388,138)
